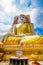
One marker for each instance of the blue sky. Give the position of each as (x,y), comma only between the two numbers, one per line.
(10,8)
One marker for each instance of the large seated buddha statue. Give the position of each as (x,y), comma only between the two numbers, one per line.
(22,25)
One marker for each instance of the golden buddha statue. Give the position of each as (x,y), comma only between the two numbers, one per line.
(22,25)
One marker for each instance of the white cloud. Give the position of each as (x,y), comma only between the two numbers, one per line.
(2,16)
(6,5)
(4,28)
(36,15)
(8,10)
(22,1)
(15,10)
(33,14)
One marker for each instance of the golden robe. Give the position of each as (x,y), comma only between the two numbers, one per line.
(24,29)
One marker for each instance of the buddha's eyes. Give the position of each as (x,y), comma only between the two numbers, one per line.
(21,17)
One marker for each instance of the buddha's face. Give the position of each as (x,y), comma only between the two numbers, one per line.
(21,19)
